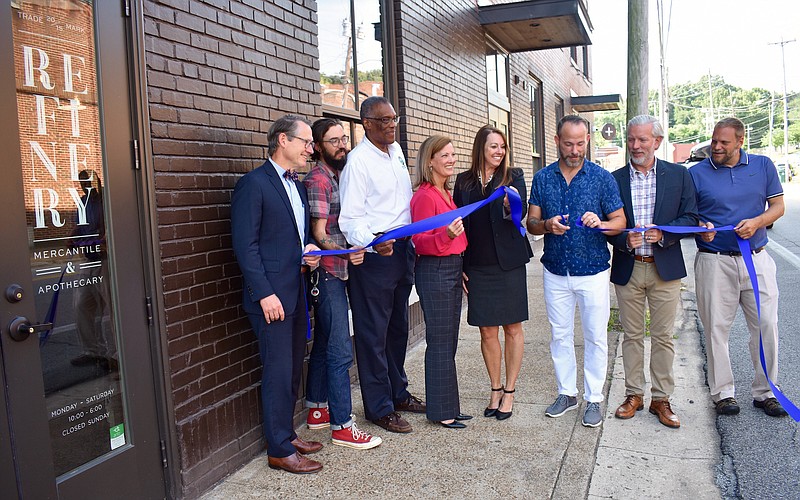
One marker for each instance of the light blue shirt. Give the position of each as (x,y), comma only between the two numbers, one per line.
(294,198)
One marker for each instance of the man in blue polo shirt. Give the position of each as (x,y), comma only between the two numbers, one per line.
(576,262)
(733,187)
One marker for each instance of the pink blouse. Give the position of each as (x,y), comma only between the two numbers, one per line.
(427,202)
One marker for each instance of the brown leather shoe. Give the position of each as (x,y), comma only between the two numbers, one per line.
(295,463)
(393,422)
(413,404)
(632,404)
(306,447)
(661,408)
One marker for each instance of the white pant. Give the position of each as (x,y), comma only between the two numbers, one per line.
(561,293)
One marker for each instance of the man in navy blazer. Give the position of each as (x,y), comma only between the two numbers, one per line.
(270,230)
(650,265)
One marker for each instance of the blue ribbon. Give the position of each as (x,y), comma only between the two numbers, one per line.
(747,255)
(441,220)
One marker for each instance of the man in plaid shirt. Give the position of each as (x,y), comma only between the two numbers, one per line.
(650,265)
(332,352)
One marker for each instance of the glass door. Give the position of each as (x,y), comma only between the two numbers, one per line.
(76,339)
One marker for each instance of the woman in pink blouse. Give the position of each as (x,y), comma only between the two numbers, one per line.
(438,279)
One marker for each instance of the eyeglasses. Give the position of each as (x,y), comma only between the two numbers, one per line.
(336,141)
(308,142)
(385,120)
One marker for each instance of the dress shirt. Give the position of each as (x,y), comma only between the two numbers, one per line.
(727,195)
(375,191)
(322,186)
(427,202)
(579,251)
(294,199)
(643,196)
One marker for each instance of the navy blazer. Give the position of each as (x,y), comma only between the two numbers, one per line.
(266,240)
(513,249)
(675,206)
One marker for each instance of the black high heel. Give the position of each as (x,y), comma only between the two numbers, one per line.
(502,415)
(490,412)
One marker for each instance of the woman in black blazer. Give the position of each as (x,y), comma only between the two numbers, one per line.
(494,264)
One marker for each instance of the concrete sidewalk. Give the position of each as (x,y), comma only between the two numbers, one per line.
(528,455)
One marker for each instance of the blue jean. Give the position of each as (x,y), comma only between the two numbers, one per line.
(332,352)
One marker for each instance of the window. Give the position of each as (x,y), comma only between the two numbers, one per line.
(573,54)
(497,89)
(537,124)
(586,61)
(496,73)
(351,58)
(559,109)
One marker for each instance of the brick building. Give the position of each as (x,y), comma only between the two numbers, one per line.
(180,96)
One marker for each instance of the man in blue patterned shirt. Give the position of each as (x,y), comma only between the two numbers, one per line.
(576,262)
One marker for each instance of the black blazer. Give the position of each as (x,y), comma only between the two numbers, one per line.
(513,249)
(265,238)
(675,206)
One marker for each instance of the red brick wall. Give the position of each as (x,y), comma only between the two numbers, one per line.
(218,74)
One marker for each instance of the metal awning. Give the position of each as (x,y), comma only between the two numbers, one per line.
(536,24)
(589,103)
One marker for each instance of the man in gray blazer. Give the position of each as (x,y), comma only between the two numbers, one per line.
(650,265)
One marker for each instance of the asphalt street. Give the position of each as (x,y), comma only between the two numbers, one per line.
(761,455)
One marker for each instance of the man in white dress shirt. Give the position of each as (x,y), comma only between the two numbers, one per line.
(375,195)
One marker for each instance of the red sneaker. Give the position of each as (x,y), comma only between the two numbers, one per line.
(318,418)
(353,437)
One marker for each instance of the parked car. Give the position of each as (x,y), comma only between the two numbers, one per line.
(698,153)
(785,172)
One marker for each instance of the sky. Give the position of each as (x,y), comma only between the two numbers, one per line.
(728,37)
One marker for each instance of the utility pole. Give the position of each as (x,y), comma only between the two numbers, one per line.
(785,103)
(637,58)
(663,38)
(771,119)
(711,122)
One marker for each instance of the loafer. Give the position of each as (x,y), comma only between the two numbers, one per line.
(294,463)
(393,422)
(629,407)
(306,447)
(727,406)
(413,405)
(662,409)
(771,407)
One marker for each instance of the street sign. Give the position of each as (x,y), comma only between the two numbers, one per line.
(609,132)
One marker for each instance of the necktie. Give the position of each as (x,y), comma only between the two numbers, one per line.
(290,175)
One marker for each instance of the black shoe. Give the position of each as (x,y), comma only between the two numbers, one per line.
(455,424)
(727,406)
(771,407)
(490,412)
(461,416)
(502,415)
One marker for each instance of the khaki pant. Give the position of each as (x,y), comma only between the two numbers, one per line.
(662,298)
(722,285)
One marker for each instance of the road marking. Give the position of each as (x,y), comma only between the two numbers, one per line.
(785,253)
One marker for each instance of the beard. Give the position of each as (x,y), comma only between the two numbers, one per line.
(573,162)
(332,162)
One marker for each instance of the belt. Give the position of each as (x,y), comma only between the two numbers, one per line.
(731,254)
(645,258)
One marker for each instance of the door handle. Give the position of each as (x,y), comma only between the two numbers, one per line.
(20,328)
